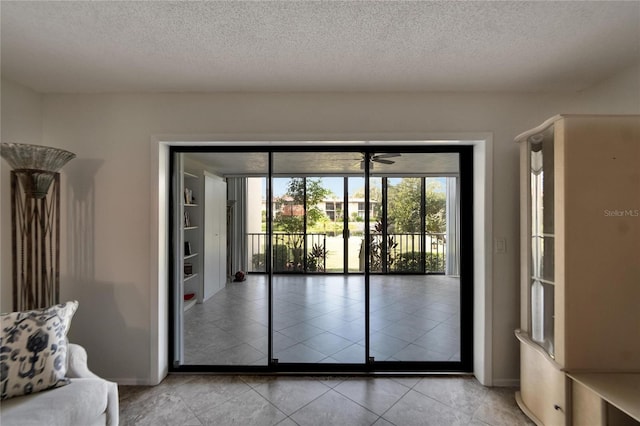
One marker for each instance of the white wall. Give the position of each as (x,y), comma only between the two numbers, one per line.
(21,123)
(106,235)
(622,91)
(111,134)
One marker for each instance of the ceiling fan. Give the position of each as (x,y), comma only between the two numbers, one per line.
(380,158)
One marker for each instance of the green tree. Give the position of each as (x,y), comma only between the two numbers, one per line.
(403,209)
(376,193)
(290,207)
(290,218)
(375,199)
(436,207)
(403,205)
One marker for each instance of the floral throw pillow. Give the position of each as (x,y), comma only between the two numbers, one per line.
(33,349)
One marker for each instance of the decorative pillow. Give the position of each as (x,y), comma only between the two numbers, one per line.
(33,349)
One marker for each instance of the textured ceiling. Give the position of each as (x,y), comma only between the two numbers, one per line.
(107,46)
(327,164)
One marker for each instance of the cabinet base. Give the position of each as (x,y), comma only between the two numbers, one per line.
(526,411)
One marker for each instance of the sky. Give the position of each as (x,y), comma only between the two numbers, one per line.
(334,184)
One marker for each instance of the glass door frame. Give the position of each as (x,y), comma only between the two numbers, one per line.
(369,365)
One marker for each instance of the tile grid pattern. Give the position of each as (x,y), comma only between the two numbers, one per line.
(299,400)
(321,319)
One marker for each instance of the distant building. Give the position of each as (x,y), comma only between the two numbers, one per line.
(332,207)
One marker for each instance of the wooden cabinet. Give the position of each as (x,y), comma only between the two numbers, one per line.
(580,256)
(611,399)
(543,385)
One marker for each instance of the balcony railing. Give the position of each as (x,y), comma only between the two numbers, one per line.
(408,253)
(404,253)
(290,254)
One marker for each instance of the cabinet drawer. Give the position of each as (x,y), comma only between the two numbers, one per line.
(543,386)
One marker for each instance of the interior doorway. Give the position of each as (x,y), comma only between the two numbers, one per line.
(356,262)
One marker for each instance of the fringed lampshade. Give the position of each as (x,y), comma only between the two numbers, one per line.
(35,222)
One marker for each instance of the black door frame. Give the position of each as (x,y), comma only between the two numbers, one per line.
(369,365)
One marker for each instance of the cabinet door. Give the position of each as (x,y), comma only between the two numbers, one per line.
(587,408)
(543,386)
(542,270)
(601,242)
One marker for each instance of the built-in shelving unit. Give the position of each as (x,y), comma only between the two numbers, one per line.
(191,239)
(580,239)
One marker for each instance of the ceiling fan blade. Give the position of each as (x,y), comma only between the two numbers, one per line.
(383,161)
(389,155)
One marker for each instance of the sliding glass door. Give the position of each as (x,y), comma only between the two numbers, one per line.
(415,308)
(318,316)
(218,319)
(350,259)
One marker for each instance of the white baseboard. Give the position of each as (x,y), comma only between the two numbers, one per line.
(128,381)
(506,383)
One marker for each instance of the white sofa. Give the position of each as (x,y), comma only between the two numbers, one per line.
(87,401)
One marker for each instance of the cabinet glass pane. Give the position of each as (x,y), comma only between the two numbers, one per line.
(542,185)
(542,318)
(542,255)
(542,239)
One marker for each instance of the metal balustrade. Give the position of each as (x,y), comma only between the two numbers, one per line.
(405,252)
(409,253)
(290,253)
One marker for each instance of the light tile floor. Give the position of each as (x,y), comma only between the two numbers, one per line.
(320,318)
(299,400)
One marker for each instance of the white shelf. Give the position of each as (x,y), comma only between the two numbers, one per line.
(188,277)
(621,390)
(190,205)
(189,256)
(543,281)
(190,175)
(189,228)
